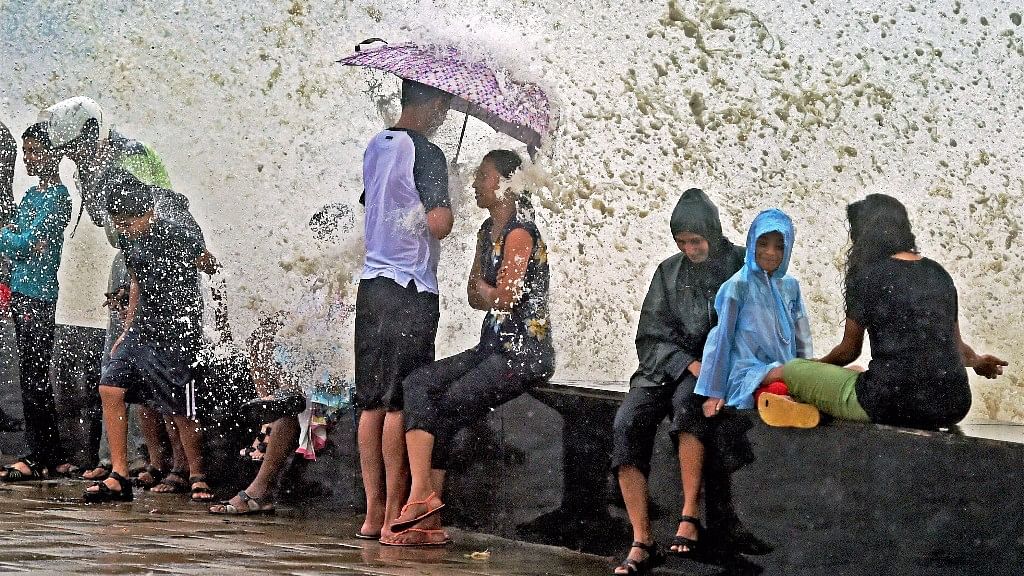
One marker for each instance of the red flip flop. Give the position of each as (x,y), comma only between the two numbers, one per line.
(397,526)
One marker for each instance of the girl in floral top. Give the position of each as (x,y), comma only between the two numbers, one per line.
(509,280)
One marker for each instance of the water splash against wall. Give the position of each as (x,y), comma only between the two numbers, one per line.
(805,106)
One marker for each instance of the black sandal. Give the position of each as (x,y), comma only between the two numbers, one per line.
(691,544)
(105,493)
(259,446)
(654,559)
(35,471)
(197,479)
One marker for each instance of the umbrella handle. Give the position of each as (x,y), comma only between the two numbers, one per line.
(461,136)
(369,41)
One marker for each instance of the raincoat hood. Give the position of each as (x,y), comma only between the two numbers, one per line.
(771,220)
(696,214)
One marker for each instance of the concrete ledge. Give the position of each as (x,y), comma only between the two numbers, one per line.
(841,499)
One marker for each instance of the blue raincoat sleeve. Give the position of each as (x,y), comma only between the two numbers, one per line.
(802,330)
(716,364)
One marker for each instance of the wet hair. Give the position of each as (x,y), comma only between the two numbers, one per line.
(126,194)
(879,228)
(416,93)
(507,162)
(38,132)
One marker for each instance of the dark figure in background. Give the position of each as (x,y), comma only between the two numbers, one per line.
(676,317)
(33,242)
(509,280)
(908,305)
(8,157)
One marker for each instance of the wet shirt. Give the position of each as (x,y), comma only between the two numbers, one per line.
(524,333)
(678,313)
(170,306)
(916,376)
(42,217)
(404,177)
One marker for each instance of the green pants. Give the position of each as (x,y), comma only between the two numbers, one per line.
(833,389)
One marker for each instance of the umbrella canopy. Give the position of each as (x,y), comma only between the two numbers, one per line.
(518,109)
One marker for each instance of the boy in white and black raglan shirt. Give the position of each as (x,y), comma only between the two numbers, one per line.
(405,192)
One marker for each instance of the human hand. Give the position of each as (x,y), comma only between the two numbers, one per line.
(207,263)
(694,367)
(485,290)
(989,366)
(41,246)
(712,406)
(115,299)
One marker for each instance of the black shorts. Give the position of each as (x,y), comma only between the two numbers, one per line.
(153,375)
(395,332)
(636,422)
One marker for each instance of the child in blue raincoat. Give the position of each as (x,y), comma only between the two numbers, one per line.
(762,323)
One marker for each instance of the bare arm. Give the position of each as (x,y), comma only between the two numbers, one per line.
(133,302)
(985,365)
(440,222)
(476,300)
(518,247)
(849,349)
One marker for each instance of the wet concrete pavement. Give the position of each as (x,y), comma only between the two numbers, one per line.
(45,530)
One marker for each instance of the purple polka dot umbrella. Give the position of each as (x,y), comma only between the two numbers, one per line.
(518,109)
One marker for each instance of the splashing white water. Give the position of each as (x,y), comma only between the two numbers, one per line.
(805,106)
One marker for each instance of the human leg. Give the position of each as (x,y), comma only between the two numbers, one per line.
(427,412)
(34,329)
(115,420)
(279,447)
(633,432)
(152,424)
(191,434)
(396,464)
(371,356)
(407,343)
(689,429)
(833,389)
(371,463)
(176,480)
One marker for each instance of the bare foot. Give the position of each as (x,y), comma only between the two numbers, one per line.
(173,483)
(413,536)
(97,473)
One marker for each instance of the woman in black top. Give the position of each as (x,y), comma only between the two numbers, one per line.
(908,305)
(509,280)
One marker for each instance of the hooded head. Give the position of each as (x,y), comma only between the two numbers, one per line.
(772,220)
(696,214)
